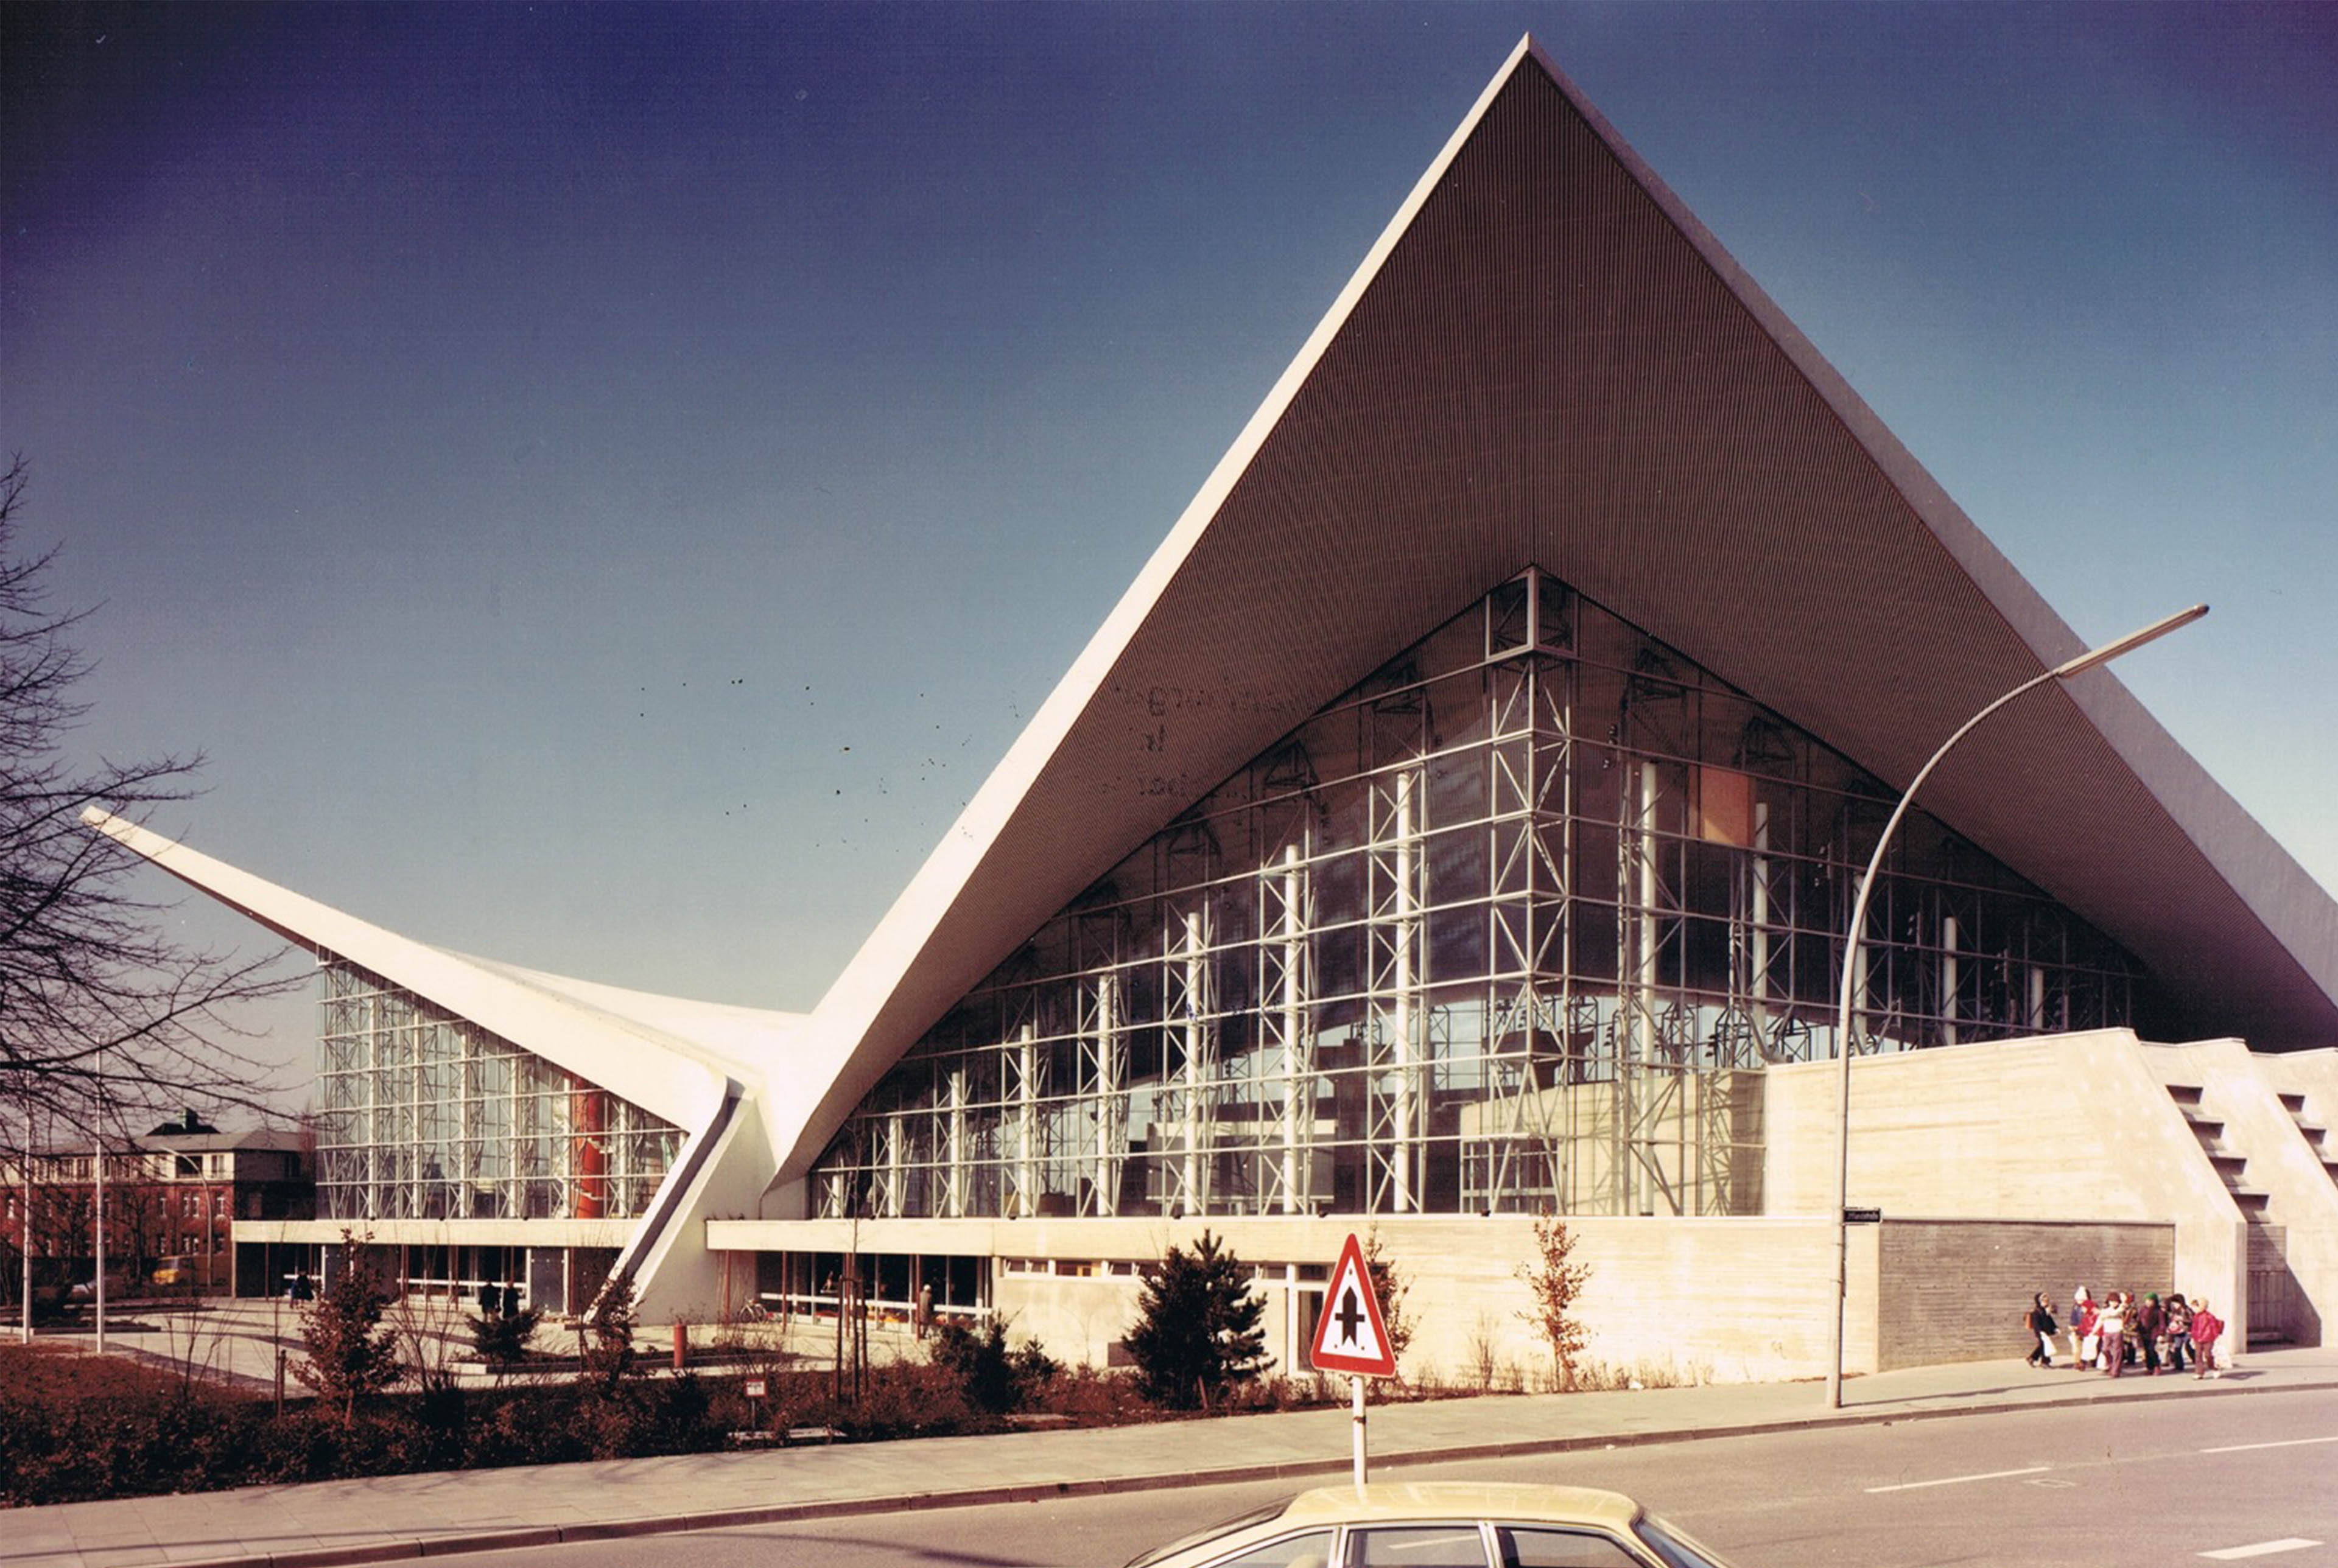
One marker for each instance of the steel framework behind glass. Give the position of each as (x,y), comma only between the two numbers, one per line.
(422,1115)
(1511,925)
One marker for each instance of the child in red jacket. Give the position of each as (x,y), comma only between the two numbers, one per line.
(2205,1327)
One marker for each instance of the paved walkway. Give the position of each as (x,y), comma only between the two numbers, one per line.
(407,1516)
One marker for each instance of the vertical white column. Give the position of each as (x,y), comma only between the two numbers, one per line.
(1403,980)
(1949,978)
(1759,991)
(1859,990)
(1027,1122)
(2037,998)
(1297,1086)
(1645,891)
(1112,1109)
(100,1238)
(1196,1072)
(895,1137)
(955,1174)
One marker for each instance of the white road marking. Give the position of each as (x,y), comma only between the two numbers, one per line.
(2261,1549)
(1960,1480)
(2291,1443)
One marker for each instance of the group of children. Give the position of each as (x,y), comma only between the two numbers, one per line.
(2109,1334)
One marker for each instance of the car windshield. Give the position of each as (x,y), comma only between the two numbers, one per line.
(1273,1510)
(1677,1550)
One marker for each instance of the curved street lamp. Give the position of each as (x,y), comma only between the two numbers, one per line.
(2078,666)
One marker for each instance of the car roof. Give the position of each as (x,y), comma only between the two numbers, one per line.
(1462,1499)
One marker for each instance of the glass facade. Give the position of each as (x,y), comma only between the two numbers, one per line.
(1510,925)
(422,1115)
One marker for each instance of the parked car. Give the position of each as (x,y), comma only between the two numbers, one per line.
(1441,1525)
(187,1271)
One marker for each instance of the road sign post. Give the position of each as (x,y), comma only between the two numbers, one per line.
(1352,1337)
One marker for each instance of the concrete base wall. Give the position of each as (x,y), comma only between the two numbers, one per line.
(1669,1300)
(2074,1129)
(1742,1300)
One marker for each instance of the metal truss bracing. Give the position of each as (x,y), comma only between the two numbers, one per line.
(1103,1078)
(1511,926)
(1394,1045)
(1286,1026)
(1189,1031)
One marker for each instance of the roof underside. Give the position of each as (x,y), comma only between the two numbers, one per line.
(1548,361)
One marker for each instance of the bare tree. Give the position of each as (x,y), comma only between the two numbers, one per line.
(1556,1283)
(105,1016)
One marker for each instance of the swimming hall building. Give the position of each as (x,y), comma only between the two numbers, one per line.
(1457,819)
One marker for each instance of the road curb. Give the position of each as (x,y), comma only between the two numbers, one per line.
(402,1549)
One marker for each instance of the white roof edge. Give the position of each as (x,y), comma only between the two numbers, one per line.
(681,1079)
(852,1002)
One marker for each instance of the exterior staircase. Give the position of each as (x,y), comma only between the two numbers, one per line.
(2316,1136)
(2272,1286)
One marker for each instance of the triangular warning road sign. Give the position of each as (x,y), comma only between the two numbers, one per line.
(1351,1335)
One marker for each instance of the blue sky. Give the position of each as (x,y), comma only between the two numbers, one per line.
(603,484)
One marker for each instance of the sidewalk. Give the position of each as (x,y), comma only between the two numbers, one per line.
(399,1517)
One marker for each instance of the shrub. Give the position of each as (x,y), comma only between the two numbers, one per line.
(1197,1326)
(1391,1285)
(609,1327)
(502,1340)
(1089,1396)
(1556,1283)
(979,1361)
(991,1377)
(351,1354)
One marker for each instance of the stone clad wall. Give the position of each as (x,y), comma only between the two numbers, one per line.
(2075,1130)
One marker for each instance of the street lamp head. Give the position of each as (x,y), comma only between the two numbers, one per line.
(2129,644)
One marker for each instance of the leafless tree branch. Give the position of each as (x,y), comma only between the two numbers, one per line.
(105,1016)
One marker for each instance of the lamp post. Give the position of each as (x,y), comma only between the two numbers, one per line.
(2063,672)
(100,1240)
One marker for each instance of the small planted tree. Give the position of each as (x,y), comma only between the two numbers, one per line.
(351,1353)
(992,1377)
(1391,1284)
(1556,1283)
(501,1338)
(1197,1326)
(609,1334)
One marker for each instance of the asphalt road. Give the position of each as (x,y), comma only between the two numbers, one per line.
(2251,1480)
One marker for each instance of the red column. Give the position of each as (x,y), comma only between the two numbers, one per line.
(588,1112)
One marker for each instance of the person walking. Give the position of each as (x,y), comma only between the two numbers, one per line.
(2111,1328)
(2205,1327)
(2082,1328)
(2041,1330)
(2179,1331)
(2150,1329)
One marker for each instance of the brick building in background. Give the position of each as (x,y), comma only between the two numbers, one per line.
(172,1201)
